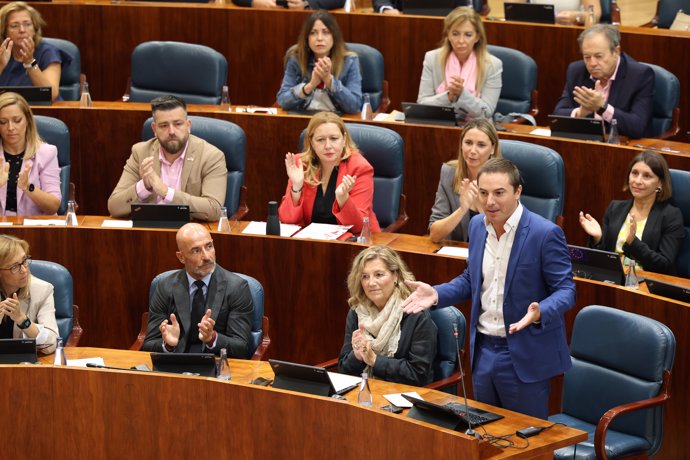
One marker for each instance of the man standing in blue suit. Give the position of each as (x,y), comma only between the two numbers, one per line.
(519,278)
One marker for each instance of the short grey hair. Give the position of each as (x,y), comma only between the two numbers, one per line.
(609,31)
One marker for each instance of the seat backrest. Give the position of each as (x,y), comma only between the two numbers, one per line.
(520,71)
(666,99)
(611,369)
(229,139)
(371,66)
(195,73)
(680,183)
(543,178)
(668,10)
(257,293)
(447,345)
(55,132)
(384,149)
(70,75)
(63,293)
(605,12)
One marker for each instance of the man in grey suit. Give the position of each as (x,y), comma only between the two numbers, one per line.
(175,167)
(202,308)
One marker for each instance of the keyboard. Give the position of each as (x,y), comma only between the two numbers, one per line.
(474,418)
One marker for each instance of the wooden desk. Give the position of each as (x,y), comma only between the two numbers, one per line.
(106,34)
(102,138)
(305,292)
(91,413)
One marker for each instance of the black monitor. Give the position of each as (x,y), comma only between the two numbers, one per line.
(152,215)
(597,265)
(429,114)
(300,377)
(672,291)
(202,364)
(584,129)
(15,351)
(34,95)
(431,7)
(529,12)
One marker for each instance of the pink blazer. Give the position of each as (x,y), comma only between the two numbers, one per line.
(358,205)
(45,174)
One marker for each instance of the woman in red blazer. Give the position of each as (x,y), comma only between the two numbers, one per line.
(331,182)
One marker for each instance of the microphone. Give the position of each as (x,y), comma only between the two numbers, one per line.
(133,368)
(470,431)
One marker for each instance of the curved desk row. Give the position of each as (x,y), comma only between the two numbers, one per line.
(256,62)
(305,291)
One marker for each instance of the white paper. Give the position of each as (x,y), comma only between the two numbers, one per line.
(541,132)
(323,231)
(117,223)
(259,228)
(45,222)
(399,401)
(82,362)
(382,117)
(342,381)
(454,251)
(6,224)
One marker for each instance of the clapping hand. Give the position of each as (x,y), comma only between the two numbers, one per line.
(23,180)
(5,52)
(589,99)
(632,228)
(170,332)
(469,192)
(206,326)
(454,86)
(590,225)
(295,170)
(4,172)
(323,70)
(342,192)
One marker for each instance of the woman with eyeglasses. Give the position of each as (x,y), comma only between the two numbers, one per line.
(27,309)
(29,170)
(331,182)
(25,59)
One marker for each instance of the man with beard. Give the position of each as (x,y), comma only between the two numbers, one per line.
(201,308)
(175,167)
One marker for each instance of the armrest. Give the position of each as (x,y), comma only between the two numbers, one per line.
(402,216)
(611,414)
(265,341)
(454,379)
(77,330)
(139,342)
(330,364)
(675,128)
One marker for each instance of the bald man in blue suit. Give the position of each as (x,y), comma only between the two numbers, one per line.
(519,278)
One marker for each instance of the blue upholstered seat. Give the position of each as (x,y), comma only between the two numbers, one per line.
(66,313)
(446,364)
(192,72)
(519,91)
(680,183)
(55,132)
(229,139)
(666,113)
(542,170)
(611,370)
(666,11)
(373,80)
(70,76)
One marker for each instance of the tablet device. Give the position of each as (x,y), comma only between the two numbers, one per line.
(429,114)
(153,215)
(300,377)
(430,7)
(672,291)
(34,95)
(453,416)
(529,12)
(584,129)
(202,364)
(597,265)
(15,351)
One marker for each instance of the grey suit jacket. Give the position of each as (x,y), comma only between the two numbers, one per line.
(447,202)
(39,307)
(433,73)
(202,185)
(231,306)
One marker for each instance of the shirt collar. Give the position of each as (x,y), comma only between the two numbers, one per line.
(511,223)
(206,279)
(162,158)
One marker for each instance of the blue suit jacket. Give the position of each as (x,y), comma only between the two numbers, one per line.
(631,95)
(539,270)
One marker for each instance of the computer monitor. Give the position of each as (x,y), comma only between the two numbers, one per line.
(429,114)
(584,129)
(153,215)
(529,12)
(597,265)
(34,95)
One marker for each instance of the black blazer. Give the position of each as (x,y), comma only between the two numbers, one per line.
(231,306)
(661,239)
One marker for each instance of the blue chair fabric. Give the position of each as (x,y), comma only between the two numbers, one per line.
(680,183)
(70,76)
(667,10)
(543,176)
(605,12)
(63,293)
(666,100)
(257,293)
(384,149)
(56,132)
(229,139)
(607,374)
(447,346)
(372,68)
(519,82)
(195,73)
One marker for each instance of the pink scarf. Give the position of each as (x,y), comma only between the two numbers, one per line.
(467,72)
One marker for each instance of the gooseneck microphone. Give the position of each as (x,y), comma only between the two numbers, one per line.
(470,431)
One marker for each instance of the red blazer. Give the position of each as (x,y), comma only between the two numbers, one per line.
(358,205)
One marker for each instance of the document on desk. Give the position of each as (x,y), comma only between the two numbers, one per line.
(84,361)
(46,222)
(322,231)
(399,401)
(108,223)
(259,228)
(341,382)
(454,251)
(541,132)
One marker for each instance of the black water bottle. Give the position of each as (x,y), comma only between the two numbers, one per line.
(272,222)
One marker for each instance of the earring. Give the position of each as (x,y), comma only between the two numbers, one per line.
(658,190)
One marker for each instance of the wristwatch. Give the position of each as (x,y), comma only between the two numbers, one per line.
(31,65)
(602,109)
(25,324)
(31,188)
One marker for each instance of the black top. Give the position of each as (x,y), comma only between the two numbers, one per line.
(15,162)
(322,212)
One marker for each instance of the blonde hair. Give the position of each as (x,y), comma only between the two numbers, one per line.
(460,165)
(32,138)
(16,7)
(10,246)
(394,264)
(312,165)
(457,17)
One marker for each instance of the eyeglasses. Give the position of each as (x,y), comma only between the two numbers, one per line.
(17,25)
(18,266)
